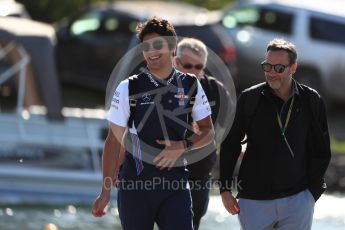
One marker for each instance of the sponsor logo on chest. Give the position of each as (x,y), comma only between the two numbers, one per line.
(146,99)
(181,96)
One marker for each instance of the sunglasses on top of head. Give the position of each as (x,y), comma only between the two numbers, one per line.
(278,68)
(157,45)
(190,66)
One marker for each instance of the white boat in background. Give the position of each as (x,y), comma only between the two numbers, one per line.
(44,160)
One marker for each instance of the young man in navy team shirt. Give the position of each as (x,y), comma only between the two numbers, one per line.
(153,186)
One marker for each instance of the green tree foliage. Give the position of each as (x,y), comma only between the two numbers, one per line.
(209,4)
(54,10)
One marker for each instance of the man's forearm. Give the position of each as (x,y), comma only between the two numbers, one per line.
(204,137)
(109,161)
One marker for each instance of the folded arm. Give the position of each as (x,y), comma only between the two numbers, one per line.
(174,149)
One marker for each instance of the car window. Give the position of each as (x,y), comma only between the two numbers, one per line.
(241,17)
(87,23)
(111,24)
(263,18)
(204,33)
(97,23)
(327,30)
(114,24)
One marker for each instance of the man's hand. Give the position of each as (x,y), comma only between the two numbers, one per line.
(100,204)
(230,203)
(169,155)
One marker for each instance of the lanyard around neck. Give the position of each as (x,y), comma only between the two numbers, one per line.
(283,129)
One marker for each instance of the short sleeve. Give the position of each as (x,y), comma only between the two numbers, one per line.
(119,110)
(201,108)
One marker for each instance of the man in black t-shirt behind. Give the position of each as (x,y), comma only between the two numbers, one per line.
(191,57)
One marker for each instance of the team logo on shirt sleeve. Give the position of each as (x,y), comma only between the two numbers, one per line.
(116,100)
(204,99)
(205,102)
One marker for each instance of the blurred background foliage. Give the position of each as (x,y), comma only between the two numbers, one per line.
(53,10)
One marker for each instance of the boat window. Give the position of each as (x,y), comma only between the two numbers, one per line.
(44,157)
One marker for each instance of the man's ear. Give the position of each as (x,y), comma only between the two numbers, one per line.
(293,68)
(174,51)
(175,60)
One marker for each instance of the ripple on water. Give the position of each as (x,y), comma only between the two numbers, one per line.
(329,214)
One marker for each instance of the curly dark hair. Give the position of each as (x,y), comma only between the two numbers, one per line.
(159,26)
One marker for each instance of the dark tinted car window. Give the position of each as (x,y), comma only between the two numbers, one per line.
(215,38)
(327,30)
(103,23)
(275,20)
(263,18)
(206,33)
(115,22)
(114,25)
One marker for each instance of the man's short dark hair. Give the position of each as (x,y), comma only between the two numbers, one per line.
(159,26)
(281,44)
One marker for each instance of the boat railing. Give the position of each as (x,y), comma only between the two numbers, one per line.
(18,67)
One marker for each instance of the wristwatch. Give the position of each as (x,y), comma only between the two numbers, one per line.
(188,144)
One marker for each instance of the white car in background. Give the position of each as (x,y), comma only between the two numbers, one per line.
(317,28)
